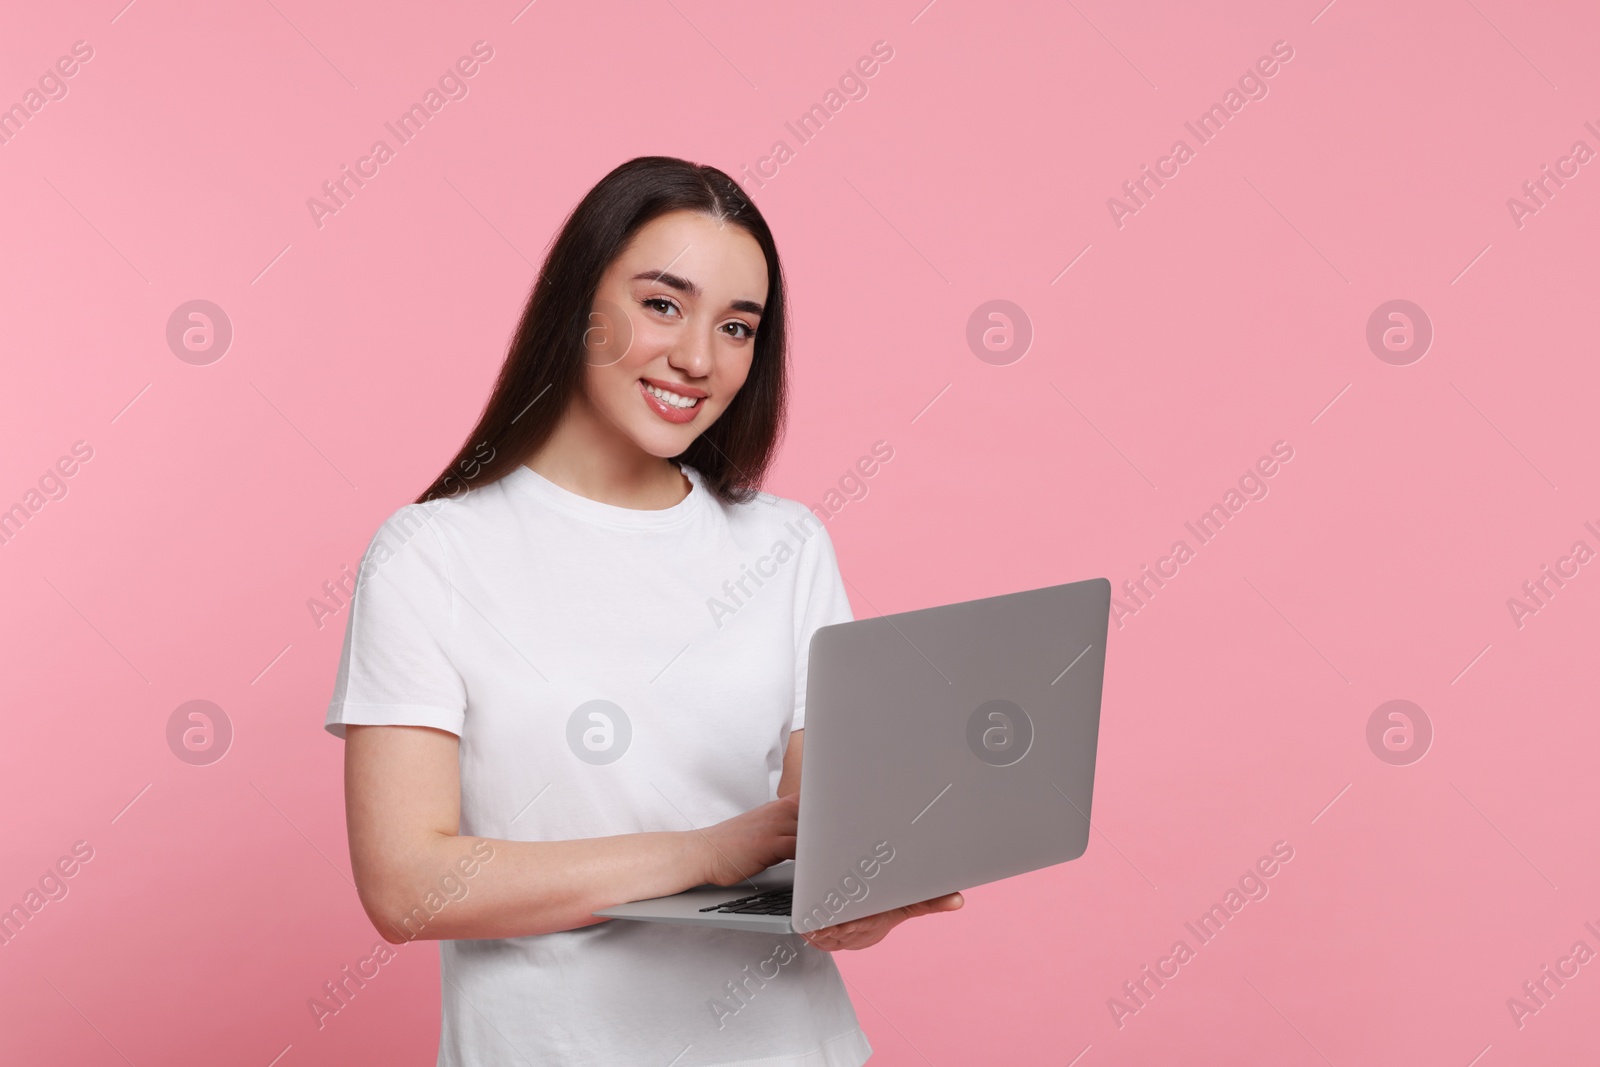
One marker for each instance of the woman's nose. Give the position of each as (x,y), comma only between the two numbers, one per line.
(692,354)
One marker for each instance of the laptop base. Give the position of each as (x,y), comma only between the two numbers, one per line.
(686,907)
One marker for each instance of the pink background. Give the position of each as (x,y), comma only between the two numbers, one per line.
(1228,314)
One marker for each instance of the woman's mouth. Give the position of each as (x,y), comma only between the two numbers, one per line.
(673,406)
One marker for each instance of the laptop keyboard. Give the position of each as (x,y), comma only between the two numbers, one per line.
(772,902)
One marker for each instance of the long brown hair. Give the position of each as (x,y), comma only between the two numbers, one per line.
(544,366)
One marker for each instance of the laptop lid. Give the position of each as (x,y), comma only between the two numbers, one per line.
(948,747)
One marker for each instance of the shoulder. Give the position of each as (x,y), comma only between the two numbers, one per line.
(406,544)
(773,513)
(784,527)
(427,527)
(430,533)
(405,523)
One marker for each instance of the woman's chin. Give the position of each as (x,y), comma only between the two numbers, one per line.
(665,443)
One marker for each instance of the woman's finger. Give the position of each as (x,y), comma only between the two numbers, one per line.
(948,902)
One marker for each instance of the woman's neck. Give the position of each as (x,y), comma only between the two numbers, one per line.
(587,455)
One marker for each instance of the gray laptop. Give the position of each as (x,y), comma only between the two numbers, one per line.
(944,748)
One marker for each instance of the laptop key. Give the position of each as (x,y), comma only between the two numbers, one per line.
(772,902)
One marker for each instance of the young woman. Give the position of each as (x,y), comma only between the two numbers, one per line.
(550,703)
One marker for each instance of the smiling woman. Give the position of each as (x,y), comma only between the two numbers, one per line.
(628,286)
(666,355)
(535,671)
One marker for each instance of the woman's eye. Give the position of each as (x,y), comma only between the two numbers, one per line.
(665,306)
(745,326)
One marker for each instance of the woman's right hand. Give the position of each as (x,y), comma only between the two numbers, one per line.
(740,847)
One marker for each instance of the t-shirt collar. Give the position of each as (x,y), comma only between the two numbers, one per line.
(524,479)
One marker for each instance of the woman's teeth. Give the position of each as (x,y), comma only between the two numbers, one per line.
(671,398)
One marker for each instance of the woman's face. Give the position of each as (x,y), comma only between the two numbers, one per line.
(672,329)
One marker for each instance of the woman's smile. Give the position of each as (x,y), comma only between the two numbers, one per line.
(673,402)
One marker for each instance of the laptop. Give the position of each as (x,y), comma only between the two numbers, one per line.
(945,748)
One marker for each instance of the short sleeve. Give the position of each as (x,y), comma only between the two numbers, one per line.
(396,667)
(820,600)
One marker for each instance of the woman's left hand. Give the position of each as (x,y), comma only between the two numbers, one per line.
(869,930)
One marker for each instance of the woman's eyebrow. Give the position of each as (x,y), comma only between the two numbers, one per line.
(684,285)
(673,281)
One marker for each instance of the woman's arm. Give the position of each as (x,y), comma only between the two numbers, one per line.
(789,781)
(403,806)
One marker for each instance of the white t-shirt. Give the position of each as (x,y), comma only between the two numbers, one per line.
(608,671)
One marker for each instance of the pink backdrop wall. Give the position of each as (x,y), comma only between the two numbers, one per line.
(1174,342)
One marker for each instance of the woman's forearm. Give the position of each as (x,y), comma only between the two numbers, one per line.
(419,878)
(451,887)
